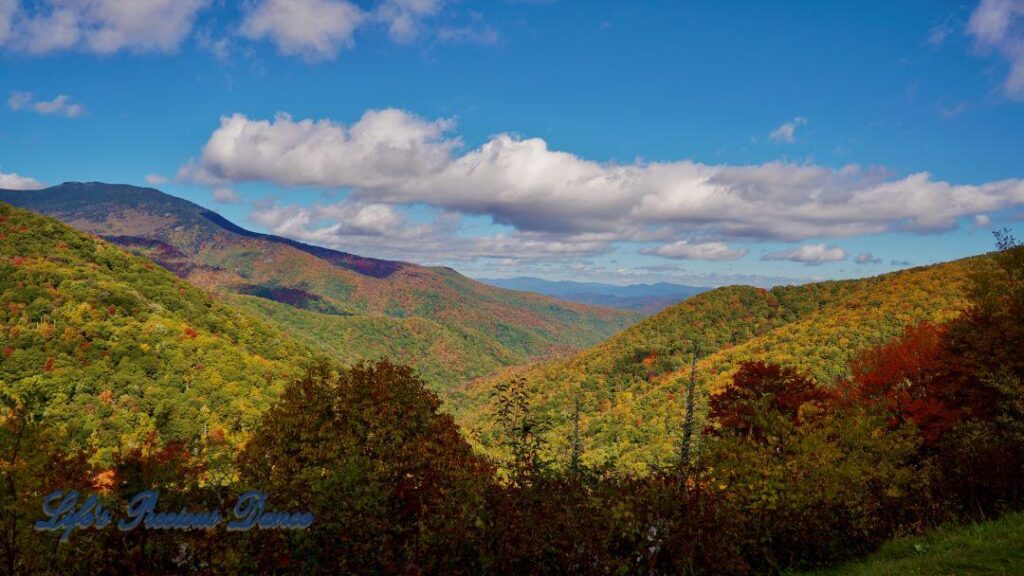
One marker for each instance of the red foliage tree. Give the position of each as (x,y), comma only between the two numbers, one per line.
(913,378)
(759,387)
(924,376)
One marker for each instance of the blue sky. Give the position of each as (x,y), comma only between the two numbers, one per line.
(706,143)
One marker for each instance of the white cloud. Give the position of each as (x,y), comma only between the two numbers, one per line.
(13,181)
(787,131)
(867,258)
(97,26)
(998,25)
(687,250)
(59,106)
(383,148)
(314,29)
(810,254)
(982,220)
(155,179)
(393,157)
(319,29)
(348,219)
(19,100)
(404,18)
(225,195)
(383,231)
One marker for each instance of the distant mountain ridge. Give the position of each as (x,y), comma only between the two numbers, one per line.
(644,298)
(351,307)
(87,204)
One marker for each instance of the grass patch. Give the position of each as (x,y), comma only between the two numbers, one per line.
(989,548)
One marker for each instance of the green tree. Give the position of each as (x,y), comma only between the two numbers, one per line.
(393,486)
(522,432)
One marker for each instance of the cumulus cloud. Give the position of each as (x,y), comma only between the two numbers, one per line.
(867,258)
(314,29)
(982,220)
(13,181)
(687,250)
(998,26)
(59,106)
(396,158)
(809,254)
(155,179)
(787,131)
(383,148)
(97,26)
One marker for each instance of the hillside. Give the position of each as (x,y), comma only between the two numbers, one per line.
(629,385)
(993,548)
(450,327)
(116,352)
(644,298)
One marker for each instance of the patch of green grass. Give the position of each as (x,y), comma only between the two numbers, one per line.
(989,548)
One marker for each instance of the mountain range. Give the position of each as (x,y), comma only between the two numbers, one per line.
(644,298)
(629,386)
(451,328)
(115,371)
(467,337)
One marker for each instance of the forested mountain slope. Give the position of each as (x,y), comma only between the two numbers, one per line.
(117,353)
(448,326)
(629,386)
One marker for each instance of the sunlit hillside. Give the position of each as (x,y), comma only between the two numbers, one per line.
(116,352)
(448,326)
(629,385)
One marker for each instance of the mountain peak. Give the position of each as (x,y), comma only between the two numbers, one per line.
(124,211)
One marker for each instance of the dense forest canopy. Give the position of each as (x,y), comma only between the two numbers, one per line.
(117,352)
(630,385)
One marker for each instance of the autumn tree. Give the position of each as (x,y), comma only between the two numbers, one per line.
(522,431)
(913,379)
(761,396)
(814,482)
(393,486)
